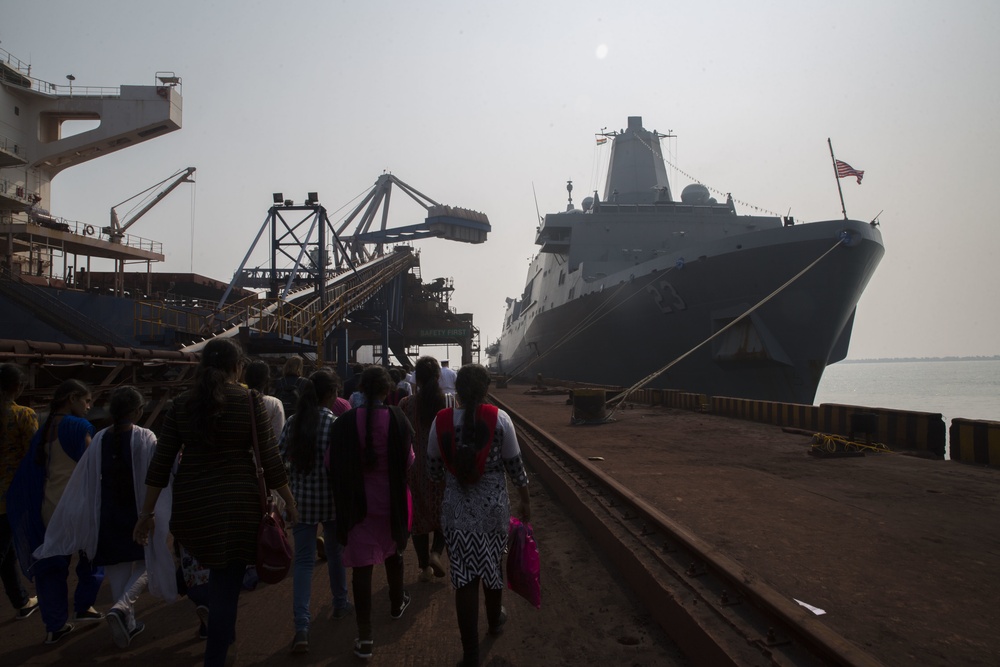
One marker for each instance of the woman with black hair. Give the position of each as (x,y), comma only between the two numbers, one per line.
(303,446)
(421,408)
(100,507)
(216,504)
(471,447)
(17,424)
(34,494)
(370,454)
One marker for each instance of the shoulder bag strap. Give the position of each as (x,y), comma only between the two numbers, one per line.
(258,462)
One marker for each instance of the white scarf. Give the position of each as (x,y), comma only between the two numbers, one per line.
(76,520)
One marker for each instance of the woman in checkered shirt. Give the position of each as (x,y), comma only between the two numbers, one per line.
(303,445)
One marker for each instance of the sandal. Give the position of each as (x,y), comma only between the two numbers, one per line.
(363,648)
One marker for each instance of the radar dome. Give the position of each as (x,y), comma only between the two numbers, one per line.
(588,203)
(696,193)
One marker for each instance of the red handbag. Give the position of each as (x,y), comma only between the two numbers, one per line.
(274,553)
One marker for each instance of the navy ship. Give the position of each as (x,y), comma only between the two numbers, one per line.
(746,306)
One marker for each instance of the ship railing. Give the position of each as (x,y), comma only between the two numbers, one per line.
(14,62)
(45,87)
(11,147)
(14,190)
(257,315)
(132,241)
(99,92)
(88,230)
(194,316)
(152,318)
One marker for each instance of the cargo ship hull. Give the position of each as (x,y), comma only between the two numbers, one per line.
(647,321)
(741,306)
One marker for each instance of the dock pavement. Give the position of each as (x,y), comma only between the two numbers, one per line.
(900,552)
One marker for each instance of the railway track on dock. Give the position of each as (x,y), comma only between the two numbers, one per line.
(716,610)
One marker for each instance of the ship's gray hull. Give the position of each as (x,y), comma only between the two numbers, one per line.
(649,317)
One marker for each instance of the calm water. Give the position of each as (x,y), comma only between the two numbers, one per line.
(969,389)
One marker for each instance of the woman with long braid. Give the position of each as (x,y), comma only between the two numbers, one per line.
(100,507)
(34,494)
(369,456)
(471,447)
(303,445)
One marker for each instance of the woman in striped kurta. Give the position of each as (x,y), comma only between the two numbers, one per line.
(216,508)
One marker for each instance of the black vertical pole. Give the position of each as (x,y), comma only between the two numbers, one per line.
(836,175)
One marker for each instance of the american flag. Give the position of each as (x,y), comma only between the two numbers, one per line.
(844,169)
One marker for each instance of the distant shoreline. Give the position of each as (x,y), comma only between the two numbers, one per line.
(995,357)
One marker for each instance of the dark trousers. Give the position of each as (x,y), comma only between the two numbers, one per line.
(224,586)
(12,585)
(52,587)
(420,545)
(361,583)
(467,608)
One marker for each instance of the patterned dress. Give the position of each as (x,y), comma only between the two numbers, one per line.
(475,519)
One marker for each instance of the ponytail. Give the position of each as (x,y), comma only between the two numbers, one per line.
(220,358)
(472,383)
(430,398)
(375,383)
(305,422)
(64,393)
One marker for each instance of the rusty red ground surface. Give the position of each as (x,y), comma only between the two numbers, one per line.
(902,552)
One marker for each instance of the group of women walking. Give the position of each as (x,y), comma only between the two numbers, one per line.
(369,478)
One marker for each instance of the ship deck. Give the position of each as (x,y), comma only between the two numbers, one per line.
(76,239)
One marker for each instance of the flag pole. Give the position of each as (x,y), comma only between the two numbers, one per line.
(836,176)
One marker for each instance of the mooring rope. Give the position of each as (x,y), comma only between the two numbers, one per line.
(620,398)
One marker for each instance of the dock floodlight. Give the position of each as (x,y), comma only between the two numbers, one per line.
(277,197)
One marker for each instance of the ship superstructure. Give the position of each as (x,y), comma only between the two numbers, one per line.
(634,280)
(34,148)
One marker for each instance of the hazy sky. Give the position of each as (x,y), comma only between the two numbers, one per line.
(474,103)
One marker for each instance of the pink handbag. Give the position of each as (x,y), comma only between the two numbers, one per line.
(523,565)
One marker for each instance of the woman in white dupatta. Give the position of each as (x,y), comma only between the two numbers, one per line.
(99,508)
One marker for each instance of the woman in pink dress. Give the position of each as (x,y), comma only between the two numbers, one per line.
(370,453)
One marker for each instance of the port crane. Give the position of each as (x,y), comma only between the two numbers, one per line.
(116,230)
(335,277)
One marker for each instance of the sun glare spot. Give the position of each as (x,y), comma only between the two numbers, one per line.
(602,51)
